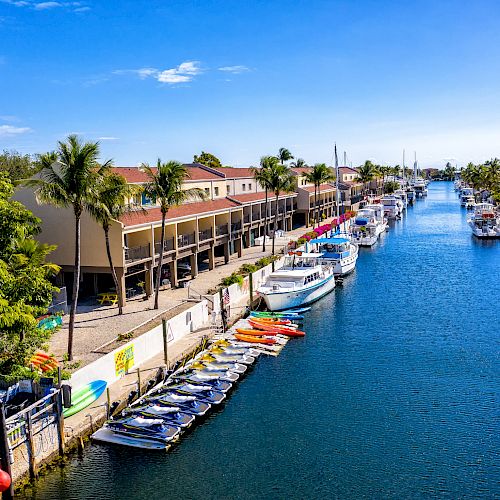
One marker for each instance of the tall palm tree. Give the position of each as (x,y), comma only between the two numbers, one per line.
(69,177)
(165,186)
(281,180)
(262,177)
(320,174)
(113,194)
(366,173)
(298,163)
(284,155)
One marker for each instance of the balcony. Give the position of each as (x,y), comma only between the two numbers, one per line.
(136,253)
(186,240)
(356,198)
(206,234)
(255,216)
(222,230)
(167,247)
(236,228)
(247,219)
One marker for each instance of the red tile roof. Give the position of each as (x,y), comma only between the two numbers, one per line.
(235,173)
(301,170)
(347,170)
(323,188)
(261,196)
(134,175)
(197,208)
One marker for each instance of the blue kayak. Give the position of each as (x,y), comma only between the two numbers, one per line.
(299,310)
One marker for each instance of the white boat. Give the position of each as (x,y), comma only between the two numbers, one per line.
(465,194)
(485,223)
(420,187)
(392,206)
(401,193)
(368,225)
(470,202)
(339,251)
(106,435)
(302,280)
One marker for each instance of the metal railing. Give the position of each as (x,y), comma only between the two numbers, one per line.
(167,247)
(137,253)
(222,230)
(205,234)
(185,240)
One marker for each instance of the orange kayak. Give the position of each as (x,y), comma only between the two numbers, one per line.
(273,321)
(256,333)
(254,340)
(285,330)
(43,362)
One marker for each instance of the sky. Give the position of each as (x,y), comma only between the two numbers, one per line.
(240,79)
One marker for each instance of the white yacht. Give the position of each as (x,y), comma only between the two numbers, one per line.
(420,187)
(485,223)
(465,194)
(302,279)
(401,193)
(368,225)
(339,251)
(470,202)
(393,206)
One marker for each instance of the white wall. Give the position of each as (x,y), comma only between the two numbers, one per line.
(145,347)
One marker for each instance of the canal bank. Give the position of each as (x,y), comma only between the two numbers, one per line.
(392,394)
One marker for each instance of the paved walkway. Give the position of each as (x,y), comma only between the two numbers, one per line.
(97,325)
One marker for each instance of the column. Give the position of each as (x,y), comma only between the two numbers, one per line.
(226,252)
(120,274)
(148,280)
(211,258)
(173,273)
(193,261)
(238,243)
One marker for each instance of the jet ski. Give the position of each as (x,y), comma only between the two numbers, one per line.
(206,376)
(172,415)
(154,429)
(186,402)
(212,365)
(217,355)
(205,394)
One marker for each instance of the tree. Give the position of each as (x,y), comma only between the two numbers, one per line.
(111,204)
(69,178)
(281,179)
(366,173)
(298,163)
(320,174)
(449,171)
(207,159)
(284,155)
(25,287)
(16,165)
(262,177)
(165,186)
(391,186)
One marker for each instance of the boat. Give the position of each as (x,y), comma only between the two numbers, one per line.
(194,387)
(216,366)
(250,331)
(420,188)
(206,394)
(222,357)
(273,321)
(106,435)
(205,375)
(254,339)
(273,330)
(465,195)
(302,279)
(186,402)
(265,314)
(170,414)
(369,224)
(485,223)
(393,206)
(152,429)
(337,251)
(470,202)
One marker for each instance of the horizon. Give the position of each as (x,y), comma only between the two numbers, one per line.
(241,81)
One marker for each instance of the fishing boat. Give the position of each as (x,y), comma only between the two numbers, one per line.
(369,224)
(337,251)
(302,279)
(485,223)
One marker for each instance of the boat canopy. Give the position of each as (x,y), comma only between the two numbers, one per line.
(330,241)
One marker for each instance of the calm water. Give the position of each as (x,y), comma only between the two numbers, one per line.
(392,394)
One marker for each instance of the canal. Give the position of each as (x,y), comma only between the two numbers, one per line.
(393,393)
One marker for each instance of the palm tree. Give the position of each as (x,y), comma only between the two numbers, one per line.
(320,174)
(69,177)
(298,163)
(366,173)
(284,155)
(280,179)
(262,177)
(113,194)
(165,186)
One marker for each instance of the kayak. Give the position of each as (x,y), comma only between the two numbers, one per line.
(284,330)
(262,314)
(299,310)
(258,333)
(273,321)
(253,339)
(43,362)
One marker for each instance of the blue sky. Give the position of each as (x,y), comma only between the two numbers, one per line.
(243,78)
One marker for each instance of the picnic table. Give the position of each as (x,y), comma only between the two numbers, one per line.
(107,298)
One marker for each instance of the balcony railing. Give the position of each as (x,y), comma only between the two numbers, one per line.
(137,253)
(222,230)
(167,247)
(206,234)
(236,227)
(185,240)
(255,216)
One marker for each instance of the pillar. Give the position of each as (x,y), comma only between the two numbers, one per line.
(211,258)
(249,239)
(193,261)
(120,274)
(238,243)
(173,273)
(148,280)
(226,252)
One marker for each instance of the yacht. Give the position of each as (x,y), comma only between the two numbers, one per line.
(368,225)
(410,194)
(465,194)
(420,187)
(393,206)
(485,223)
(339,251)
(470,202)
(302,279)
(401,193)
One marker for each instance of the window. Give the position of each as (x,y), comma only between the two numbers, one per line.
(207,191)
(249,187)
(244,187)
(216,191)
(228,189)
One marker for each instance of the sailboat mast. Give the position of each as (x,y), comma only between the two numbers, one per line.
(415,168)
(403,168)
(337,182)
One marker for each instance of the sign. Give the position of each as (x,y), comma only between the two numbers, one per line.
(124,360)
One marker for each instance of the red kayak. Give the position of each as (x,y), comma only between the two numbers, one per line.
(254,340)
(284,330)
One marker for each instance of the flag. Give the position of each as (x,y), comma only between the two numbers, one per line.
(226,298)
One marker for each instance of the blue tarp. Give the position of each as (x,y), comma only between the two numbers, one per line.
(330,241)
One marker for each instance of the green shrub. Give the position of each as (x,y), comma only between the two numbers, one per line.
(231,279)
(301,241)
(247,269)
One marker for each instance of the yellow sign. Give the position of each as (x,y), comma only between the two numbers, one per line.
(124,360)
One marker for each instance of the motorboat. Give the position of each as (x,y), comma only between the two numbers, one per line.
(220,357)
(207,395)
(369,224)
(420,188)
(216,366)
(302,279)
(206,376)
(393,206)
(470,202)
(155,429)
(485,223)
(410,194)
(338,251)
(106,435)
(465,195)
(401,193)
(170,414)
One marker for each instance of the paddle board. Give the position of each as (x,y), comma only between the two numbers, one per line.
(84,396)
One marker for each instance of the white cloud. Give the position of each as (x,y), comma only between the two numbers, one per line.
(235,69)
(183,73)
(6,130)
(74,6)
(47,5)
(107,138)
(82,9)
